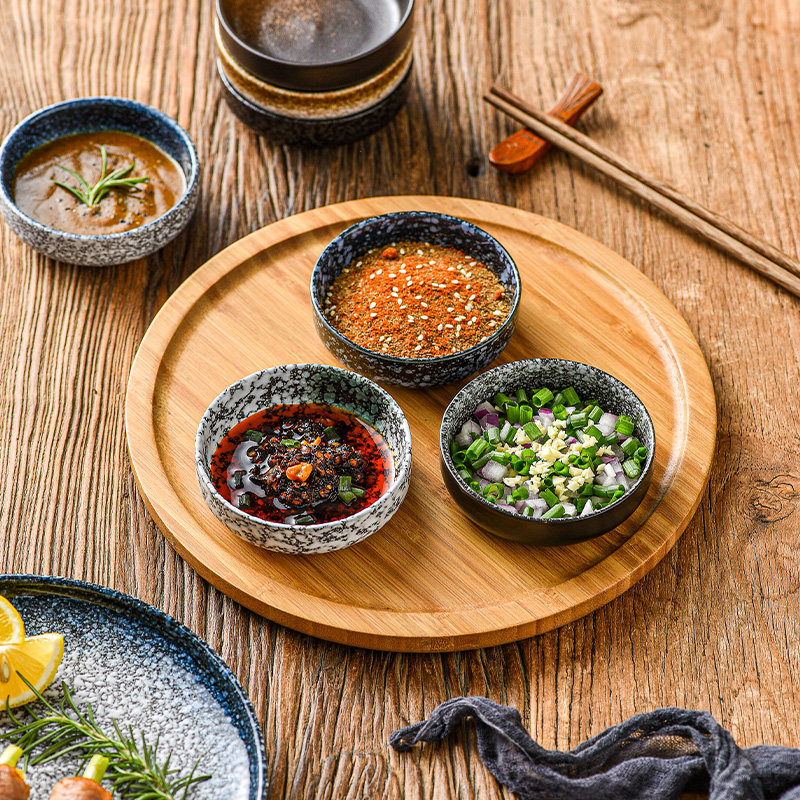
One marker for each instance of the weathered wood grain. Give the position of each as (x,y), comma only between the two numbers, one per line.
(702,93)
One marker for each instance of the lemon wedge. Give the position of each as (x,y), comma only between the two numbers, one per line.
(37,658)
(12,629)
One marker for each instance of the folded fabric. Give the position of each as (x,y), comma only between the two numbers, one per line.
(653,756)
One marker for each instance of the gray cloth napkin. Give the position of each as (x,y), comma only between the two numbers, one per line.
(652,756)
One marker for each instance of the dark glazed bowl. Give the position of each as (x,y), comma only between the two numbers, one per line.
(96,114)
(305,383)
(315,46)
(414,226)
(556,374)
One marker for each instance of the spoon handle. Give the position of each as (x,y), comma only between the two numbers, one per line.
(520,151)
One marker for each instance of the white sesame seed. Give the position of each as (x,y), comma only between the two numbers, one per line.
(373,314)
(411,319)
(419,253)
(392,275)
(448,325)
(358,265)
(439,326)
(455,280)
(372,276)
(379,272)
(423,303)
(473,263)
(418,347)
(420,337)
(472,296)
(423,317)
(373,304)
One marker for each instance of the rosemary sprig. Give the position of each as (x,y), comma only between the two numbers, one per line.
(134,768)
(91,195)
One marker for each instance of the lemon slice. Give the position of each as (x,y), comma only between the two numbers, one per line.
(37,658)
(12,628)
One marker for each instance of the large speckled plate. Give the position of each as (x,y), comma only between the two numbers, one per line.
(430,579)
(142,668)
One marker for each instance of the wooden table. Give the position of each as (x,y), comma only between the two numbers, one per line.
(702,94)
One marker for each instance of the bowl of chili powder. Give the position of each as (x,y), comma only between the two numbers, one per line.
(415,298)
(303,458)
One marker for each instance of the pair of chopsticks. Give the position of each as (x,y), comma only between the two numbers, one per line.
(759,255)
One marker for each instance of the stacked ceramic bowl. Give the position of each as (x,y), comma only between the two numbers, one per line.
(314,72)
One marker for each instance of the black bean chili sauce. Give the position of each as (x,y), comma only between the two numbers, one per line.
(302,464)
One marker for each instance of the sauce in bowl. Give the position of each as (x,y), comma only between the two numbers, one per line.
(302,464)
(123,208)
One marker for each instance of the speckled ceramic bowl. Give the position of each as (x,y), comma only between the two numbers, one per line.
(315,46)
(297,383)
(419,226)
(96,114)
(557,374)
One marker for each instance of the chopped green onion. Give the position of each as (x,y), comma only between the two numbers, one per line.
(631,468)
(476,449)
(549,497)
(559,411)
(291,442)
(512,411)
(571,396)
(577,419)
(542,398)
(559,399)
(595,413)
(237,479)
(630,446)
(533,431)
(525,415)
(306,519)
(253,435)
(493,436)
(501,399)
(624,425)
(520,493)
(554,512)
(527,511)
(522,396)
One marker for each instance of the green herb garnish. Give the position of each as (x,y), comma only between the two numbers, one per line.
(92,195)
(133,769)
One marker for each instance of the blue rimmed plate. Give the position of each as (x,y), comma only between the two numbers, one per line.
(143,668)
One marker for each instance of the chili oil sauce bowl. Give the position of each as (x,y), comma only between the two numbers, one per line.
(295,384)
(414,226)
(557,374)
(318,73)
(91,115)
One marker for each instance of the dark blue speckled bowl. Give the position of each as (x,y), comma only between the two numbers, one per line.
(556,374)
(415,226)
(136,664)
(94,114)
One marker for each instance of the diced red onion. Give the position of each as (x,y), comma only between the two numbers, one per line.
(493,471)
(569,509)
(489,421)
(507,508)
(608,421)
(587,509)
(483,409)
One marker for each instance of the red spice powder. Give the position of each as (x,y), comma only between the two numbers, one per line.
(416,300)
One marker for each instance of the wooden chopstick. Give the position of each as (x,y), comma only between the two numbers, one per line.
(759,255)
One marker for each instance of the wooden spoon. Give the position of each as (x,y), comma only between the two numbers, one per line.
(520,151)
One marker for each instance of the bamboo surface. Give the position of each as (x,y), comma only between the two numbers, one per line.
(430,580)
(708,103)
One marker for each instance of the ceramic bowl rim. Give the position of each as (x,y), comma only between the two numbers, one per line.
(446,459)
(402,465)
(102,100)
(274,62)
(402,361)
